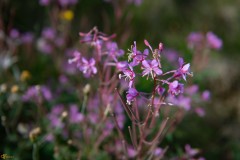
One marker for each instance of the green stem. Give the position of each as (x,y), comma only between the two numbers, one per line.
(35,154)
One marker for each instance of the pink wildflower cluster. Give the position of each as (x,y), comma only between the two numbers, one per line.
(210,40)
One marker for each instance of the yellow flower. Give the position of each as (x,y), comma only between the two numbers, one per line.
(25,75)
(67,15)
(14,88)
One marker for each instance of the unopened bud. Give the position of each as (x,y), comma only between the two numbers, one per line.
(86,89)
(14,89)
(160,47)
(3,88)
(64,114)
(69,141)
(25,75)
(34,134)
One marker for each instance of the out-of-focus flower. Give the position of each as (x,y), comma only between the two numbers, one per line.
(132,93)
(95,38)
(44,46)
(158,151)
(175,88)
(151,68)
(14,89)
(6,60)
(3,88)
(191,151)
(213,41)
(206,95)
(181,101)
(192,89)
(14,33)
(44,2)
(74,115)
(49,33)
(65,3)
(55,116)
(171,55)
(27,38)
(199,40)
(113,50)
(200,111)
(35,93)
(76,58)
(34,133)
(195,39)
(88,67)
(25,75)
(131,152)
(67,15)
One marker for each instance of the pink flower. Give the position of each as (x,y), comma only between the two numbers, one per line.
(213,41)
(129,75)
(191,151)
(206,95)
(175,88)
(183,69)
(132,93)
(88,67)
(195,39)
(76,57)
(200,111)
(151,68)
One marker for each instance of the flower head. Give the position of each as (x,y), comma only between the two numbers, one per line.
(213,41)
(151,68)
(183,70)
(175,88)
(132,93)
(128,74)
(88,67)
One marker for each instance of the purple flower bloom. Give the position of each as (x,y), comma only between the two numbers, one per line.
(65,3)
(191,151)
(160,90)
(95,38)
(14,33)
(213,41)
(191,89)
(200,111)
(139,57)
(88,67)
(55,116)
(195,39)
(35,93)
(131,152)
(113,50)
(151,68)
(44,46)
(206,95)
(121,65)
(46,93)
(49,33)
(171,55)
(74,115)
(27,37)
(129,75)
(44,2)
(183,69)
(76,58)
(132,93)
(175,88)
(158,151)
